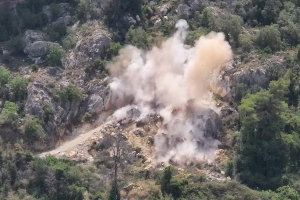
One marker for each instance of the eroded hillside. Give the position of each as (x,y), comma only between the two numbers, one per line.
(138,99)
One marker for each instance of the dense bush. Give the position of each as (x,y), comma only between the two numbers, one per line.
(5,77)
(261,160)
(117,11)
(70,93)
(246,42)
(269,37)
(289,24)
(269,140)
(97,66)
(55,56)
(48,178)
(18,87)
(9,113)
(195,35)
(232,26)
(34,130)
(57,31)
(138,37)
(29,15)
(259,11)
(69,42)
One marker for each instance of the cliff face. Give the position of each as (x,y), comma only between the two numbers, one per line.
(11,4)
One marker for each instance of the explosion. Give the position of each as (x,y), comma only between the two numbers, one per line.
(177,82)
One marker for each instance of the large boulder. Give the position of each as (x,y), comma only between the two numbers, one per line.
(92,45)
(184,10)
(259,73)
(99,97)
(95,45)
(32,36)
(40,104)
(39,49)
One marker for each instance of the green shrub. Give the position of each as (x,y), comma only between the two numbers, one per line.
(269,37)
(34,130)
(98,65)
(18,87)
(286,192)
(232,26)
(48,112)
(55,55)
(138,37)
(83,10)
(113,49)
(76,192)
(208,19)
(245,42)
(9,113)
(195,35)
(57,31)
(5,76)
(291,34)
(117,9)
(165,180)
(71,93)
(114,193)
(34,67)
(69,42)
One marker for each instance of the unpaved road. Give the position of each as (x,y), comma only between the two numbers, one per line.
(78,146)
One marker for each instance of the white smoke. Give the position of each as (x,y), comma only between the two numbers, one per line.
(177,82)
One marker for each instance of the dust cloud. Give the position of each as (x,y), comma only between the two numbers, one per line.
(177,82)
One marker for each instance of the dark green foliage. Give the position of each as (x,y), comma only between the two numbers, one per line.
(166,180)
(5,76)
(34,130)
(232,27)
(55,55)
(83,9)
(97,66)
(246,42)
(286,192)
(57,31)
(117,10)
(113,49)
(8,24)
(138,37)
(195,35)
(70,93)
(56,179)
(48,112)
(29,15)
(172,185)
(207,18)
(259,11)
(288,24)
(114,193)
(69,42)
(9,113)
(34,67)
(262,160)
(269,140)
(18,87)
(269,37)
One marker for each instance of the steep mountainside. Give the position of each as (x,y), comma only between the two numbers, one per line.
(136,99)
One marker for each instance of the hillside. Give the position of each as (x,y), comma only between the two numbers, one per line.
(136,99)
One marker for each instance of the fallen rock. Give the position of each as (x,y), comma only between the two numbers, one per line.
(39,49)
